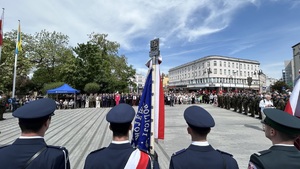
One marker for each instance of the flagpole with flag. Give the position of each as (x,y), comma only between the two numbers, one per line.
(293,105)
(1,32)
(149,120)
(18,49)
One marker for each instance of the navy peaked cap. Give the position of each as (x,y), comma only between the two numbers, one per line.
(36,109)
(282,121)
(198,117)
(121,113)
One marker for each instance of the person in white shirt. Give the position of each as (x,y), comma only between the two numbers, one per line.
(263,104)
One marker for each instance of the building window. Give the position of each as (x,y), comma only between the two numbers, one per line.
(228,72)
(215,71)
(220,63)
(245,73)
(233,65)
(224,64)
(224,71)
(215,63)
(221,71)
(203,65)
(228,64)
(237,65)
(248,67)
(208,64)
(244,65)
(251,67)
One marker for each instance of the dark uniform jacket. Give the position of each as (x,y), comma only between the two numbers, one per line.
(205,157)
(16,156)
(286,157)
(115,156)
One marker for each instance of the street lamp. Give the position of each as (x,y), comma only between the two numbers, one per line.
(259,72)
(234,72)
(208,72)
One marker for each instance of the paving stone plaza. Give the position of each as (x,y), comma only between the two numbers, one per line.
(84,130)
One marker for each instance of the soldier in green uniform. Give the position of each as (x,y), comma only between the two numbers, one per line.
(257,108)
(245,103)
(282,129)
(240,103)
(227,98)
(280,103)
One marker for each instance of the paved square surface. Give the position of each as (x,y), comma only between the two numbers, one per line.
(84,130)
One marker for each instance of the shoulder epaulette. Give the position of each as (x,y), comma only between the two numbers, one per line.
(179,152)
(56,147)
(262,152)
(223,152)
(98,150)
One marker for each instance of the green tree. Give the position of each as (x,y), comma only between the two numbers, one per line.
(48,51)
(8,60)
(279,85)
(51,86)
(98,61)
(91,88)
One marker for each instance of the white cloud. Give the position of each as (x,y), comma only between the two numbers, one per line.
(125,21)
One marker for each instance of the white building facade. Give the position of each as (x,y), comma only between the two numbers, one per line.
(217,73)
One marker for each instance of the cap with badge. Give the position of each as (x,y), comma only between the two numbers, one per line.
(36,109)
(282,121)
(198,117)
(121,113)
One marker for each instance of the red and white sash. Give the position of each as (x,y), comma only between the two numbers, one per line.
(138,159)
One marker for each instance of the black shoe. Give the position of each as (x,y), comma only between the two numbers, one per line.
(2,119)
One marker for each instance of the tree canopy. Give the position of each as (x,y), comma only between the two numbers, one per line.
(46,58)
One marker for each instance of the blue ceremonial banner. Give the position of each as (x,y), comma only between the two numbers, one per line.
(142,122)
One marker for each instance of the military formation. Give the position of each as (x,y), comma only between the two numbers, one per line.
(248,103)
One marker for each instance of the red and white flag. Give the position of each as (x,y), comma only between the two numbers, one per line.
(292,106)
(1,28)
(159,129)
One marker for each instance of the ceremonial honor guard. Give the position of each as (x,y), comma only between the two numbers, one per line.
(120,153)
(30,151)
(200,154)
(282,129)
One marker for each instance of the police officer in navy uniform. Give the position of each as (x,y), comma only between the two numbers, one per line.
(30,151)
(120,153)
(200,154)
(282,129)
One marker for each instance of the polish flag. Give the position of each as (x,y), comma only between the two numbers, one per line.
(292,107)
(1,29)
(159,129)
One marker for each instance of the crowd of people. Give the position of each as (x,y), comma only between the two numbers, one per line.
(31,151)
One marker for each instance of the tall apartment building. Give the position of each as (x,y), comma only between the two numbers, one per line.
(287,73)
(217,73)
(140,82)
(296,60)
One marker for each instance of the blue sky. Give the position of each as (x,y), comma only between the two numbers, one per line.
(262,30)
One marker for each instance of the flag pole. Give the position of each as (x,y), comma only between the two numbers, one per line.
(16,59)
(154,54)
(153,103)
(1,33)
